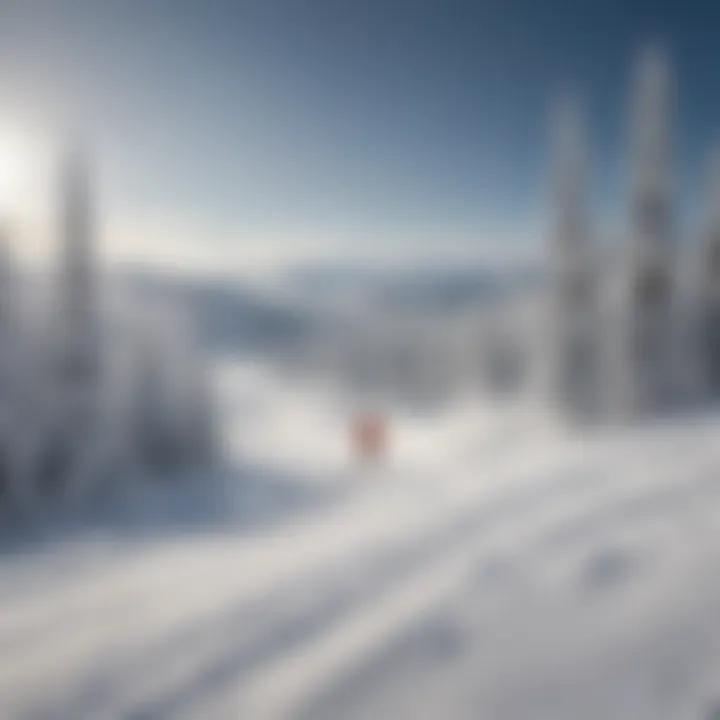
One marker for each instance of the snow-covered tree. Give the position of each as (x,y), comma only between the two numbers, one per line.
(708,283)
(17,428)
(172,415)
(75,365)
(648,312)
(575,331)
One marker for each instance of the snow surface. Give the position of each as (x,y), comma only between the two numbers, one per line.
(496,567)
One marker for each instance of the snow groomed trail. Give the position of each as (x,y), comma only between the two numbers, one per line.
(494,568)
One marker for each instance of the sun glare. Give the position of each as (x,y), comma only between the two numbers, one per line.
(22,160)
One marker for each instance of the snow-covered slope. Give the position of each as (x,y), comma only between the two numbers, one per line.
(495,567)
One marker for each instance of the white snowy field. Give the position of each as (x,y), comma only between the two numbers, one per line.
(495,567)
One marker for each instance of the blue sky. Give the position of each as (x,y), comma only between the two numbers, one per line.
(372,116)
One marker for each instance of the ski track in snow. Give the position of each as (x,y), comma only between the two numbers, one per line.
(502,570)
